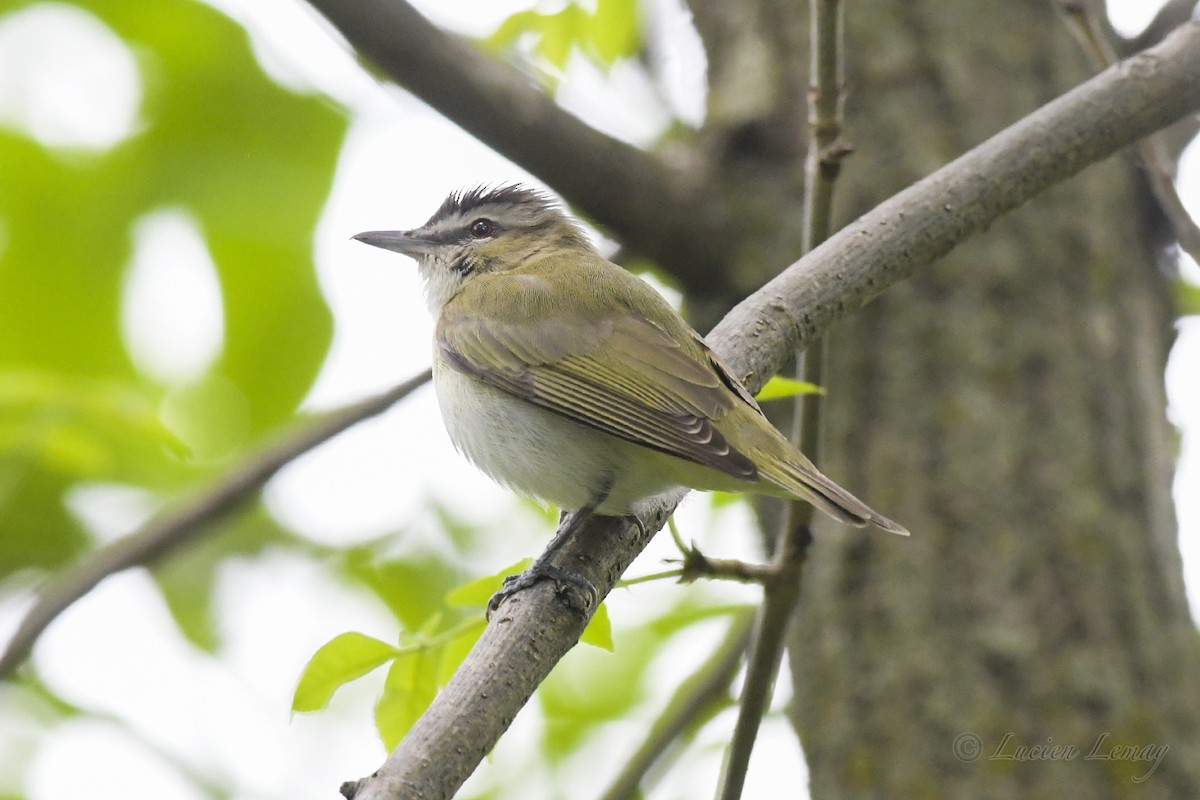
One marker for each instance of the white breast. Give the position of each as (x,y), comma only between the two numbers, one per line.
(542,454)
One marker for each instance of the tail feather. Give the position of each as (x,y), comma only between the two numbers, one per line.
(805,481)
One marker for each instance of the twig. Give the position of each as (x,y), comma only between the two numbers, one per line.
(782,592)
(1172,14)
(696,565)
(1155,161)
(186,519)
(912,229)
(704,690)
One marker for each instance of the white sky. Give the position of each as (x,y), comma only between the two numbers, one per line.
(399,161)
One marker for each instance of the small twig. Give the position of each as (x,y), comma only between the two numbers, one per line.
(703,691)
(782,590)
(696,565)
(187,518)
(625,583)
(1153,155)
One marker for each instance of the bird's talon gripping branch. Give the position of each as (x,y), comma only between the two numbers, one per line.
(579,593)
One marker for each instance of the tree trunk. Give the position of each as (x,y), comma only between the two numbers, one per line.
(1008,407)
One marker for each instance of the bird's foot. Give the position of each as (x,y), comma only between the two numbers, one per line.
(579,593)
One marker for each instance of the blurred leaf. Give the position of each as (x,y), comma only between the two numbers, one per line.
(513,27)
(598,632)
(413,587)
(409,689)
(58,429)
(188,579)
(252,164)
(780,387)
(1186,296)
(615,30)
(456,648)
(724,499)
(590,688)
(83,428)
(609,34)
(561,32)
(688,612)
(346,657)
(35,528)
(478,592)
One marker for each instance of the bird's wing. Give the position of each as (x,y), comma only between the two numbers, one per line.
(621,374)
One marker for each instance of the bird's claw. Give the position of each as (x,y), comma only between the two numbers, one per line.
(579,593)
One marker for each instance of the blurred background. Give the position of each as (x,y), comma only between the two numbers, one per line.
(179,183)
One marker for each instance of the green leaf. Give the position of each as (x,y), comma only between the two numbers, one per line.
(561,32)
(1186,296)
(780,387)
(455,649)
(413,587)
(251,164)
(615,30)
(606,36)
(409,689)
(598,633)
(513,28)
(188,579)
(477,593)
(344,658)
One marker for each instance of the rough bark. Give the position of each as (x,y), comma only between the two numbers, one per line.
(1008,406)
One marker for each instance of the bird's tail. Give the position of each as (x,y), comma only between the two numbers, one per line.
(800,478)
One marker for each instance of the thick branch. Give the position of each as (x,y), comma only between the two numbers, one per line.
(185,520)
(914,228)
(659,210)
(924,222)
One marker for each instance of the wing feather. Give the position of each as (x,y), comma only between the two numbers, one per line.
(623,375)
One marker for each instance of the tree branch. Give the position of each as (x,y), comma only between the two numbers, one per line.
(914,228)
(1173,14)
(925,221)
(185,520)
(781,594)
(662,211)
(1157,164)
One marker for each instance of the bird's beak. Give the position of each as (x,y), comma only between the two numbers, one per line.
(409,243)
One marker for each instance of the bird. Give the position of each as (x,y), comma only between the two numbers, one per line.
(569,379)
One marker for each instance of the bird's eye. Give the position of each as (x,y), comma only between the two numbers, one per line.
(482,228)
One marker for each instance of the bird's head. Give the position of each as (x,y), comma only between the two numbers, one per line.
(479,231)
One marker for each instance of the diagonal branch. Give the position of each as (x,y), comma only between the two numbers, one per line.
(661,211)
(188,518)
(922,223)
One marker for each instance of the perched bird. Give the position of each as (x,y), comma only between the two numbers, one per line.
(568,379)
